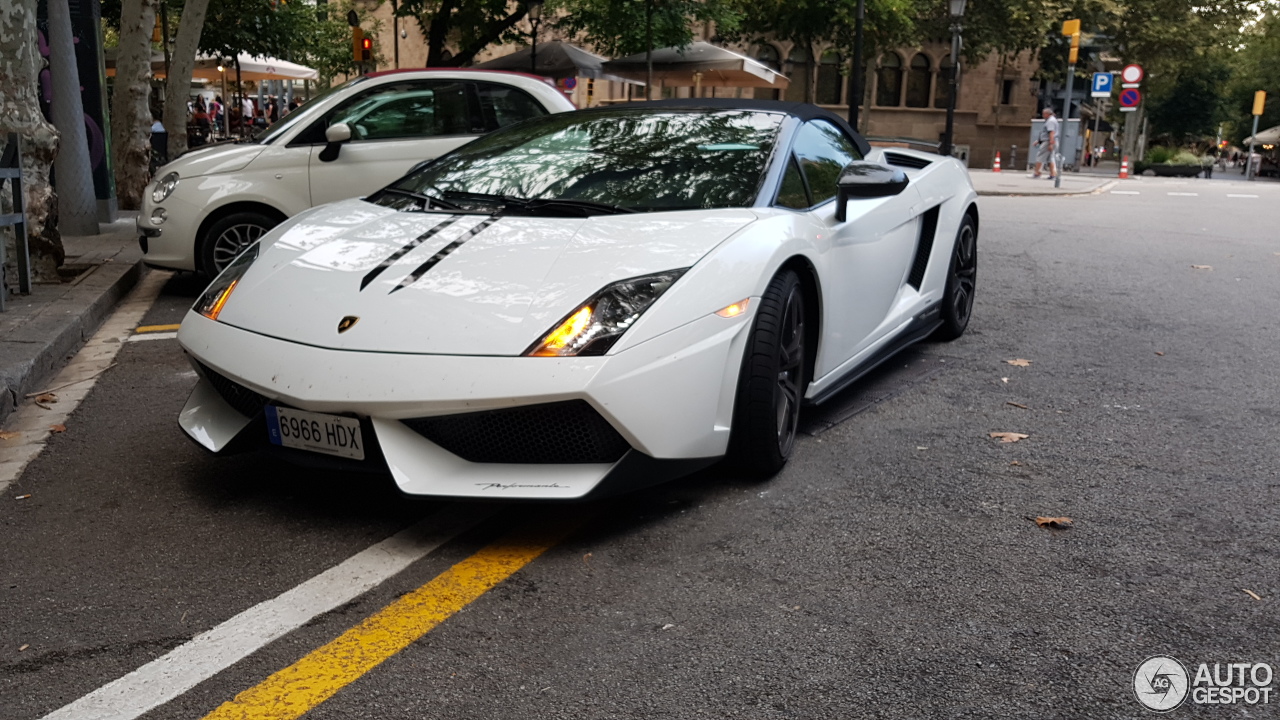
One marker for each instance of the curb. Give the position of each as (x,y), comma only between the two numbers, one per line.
(1059,193)
(62,333)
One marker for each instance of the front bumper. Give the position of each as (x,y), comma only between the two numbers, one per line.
(172,243)
(670,398)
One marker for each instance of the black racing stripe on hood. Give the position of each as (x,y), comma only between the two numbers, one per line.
(374,273)
(444,253)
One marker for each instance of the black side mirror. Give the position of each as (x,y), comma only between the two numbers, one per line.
(862,179)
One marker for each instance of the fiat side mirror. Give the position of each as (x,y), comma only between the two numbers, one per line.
(862,179)
(334,136)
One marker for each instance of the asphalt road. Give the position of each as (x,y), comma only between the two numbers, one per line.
(892,570)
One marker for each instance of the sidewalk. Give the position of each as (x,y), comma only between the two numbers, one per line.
(1010,182)
(38,331)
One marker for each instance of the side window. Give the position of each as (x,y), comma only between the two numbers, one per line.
(823,151)
(502,105)
(399,110)
(793,193)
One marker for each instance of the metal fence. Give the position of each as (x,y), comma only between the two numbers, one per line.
(11,170)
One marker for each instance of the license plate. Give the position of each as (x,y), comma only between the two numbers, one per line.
(316,432)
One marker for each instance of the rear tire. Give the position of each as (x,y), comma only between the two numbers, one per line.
(766,411)
(962,280)
(228,236)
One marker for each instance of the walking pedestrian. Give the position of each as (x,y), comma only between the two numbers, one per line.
(1046,143)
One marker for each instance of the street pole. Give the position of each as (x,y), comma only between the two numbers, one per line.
(947,136)
(855,78)
(395,31)
(1066,117)
(1259,104)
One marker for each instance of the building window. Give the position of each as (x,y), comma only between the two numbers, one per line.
(889,81)
(1006,92)
(798,90)
(829,79)
(769,56)
(943,93)
(918,80)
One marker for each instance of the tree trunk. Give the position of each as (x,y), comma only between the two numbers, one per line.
(77,206)
(178,85)
(20,65)
(815,63)
(995,133)
(130,106)
(490,34)
(437,33)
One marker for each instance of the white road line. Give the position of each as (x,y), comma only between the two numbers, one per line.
(32,422)
(1241,196)
(1179,194)
(152,336)
(1125,192)
(209,653)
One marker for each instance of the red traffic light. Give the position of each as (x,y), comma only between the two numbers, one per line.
(366,43)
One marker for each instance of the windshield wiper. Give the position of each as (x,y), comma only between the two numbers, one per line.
(537,206)
(428,199)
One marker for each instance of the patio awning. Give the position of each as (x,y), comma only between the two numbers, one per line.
(1270,136)
(699,64)
(251,68)
(555,60)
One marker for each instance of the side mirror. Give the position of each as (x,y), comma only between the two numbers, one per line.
(334,135)
(861,179)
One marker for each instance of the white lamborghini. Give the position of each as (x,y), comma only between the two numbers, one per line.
(586,303)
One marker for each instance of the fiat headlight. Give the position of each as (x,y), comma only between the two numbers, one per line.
(595,325)
(164,187)
(219,291)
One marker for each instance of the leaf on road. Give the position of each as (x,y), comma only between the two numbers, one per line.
(1004,380)
(1018,362)
(1251,594)
(586,559)
(1015,462)
(668,626)
(1017,405)
(1009,437)
(24,647)
(1057,523)
(1202,267)
(1160,353)
(6,435)
(57,428)
(46,398)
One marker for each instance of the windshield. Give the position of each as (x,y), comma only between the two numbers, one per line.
(301,114)
(618,160)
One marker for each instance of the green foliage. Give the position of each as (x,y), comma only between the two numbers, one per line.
(1255,67)
(327,45)
(624,27)
(466,26)
(1189,106)
(1159,155)
(255,27)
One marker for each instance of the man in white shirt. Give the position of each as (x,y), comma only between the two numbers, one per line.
(1046,144)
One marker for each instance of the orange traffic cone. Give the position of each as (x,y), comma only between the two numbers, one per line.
(997,165)
(1124,168)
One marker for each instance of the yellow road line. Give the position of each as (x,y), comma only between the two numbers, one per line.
(299,688)
(156,328)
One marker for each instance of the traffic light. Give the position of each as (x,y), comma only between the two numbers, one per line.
(366,49)
(357,44)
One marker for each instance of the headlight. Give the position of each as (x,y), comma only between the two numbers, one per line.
(219,291)
(595,325)
(164,187)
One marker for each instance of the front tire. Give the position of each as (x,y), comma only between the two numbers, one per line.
(962,280)
(227,237)
(766,411)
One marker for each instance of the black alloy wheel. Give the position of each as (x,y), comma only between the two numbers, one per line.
(772,383)
(962,280)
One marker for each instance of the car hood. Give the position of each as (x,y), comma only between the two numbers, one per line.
(458,284)
(212,160)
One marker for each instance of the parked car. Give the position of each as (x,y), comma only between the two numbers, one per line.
(209,204)
(585,303)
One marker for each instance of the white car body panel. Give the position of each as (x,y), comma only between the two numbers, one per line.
(452,341)
(281,180)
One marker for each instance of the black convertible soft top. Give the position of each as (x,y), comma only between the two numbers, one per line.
(799,110)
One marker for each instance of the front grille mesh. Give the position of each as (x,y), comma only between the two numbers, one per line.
(562,432)
(245,401)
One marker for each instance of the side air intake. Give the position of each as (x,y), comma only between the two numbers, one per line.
(906,161)
(924,246)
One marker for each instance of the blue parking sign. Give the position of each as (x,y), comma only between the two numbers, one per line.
(1101,84)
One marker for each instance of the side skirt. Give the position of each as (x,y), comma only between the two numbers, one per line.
(920,328)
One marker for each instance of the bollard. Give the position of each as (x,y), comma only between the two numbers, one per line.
(996,168)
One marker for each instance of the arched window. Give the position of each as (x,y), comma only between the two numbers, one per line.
(918,80)
(829,79)
(943,92)
(798,64)
(769,56)
(889,81)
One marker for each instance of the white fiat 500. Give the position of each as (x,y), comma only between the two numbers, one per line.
(586,302)
(211,203)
